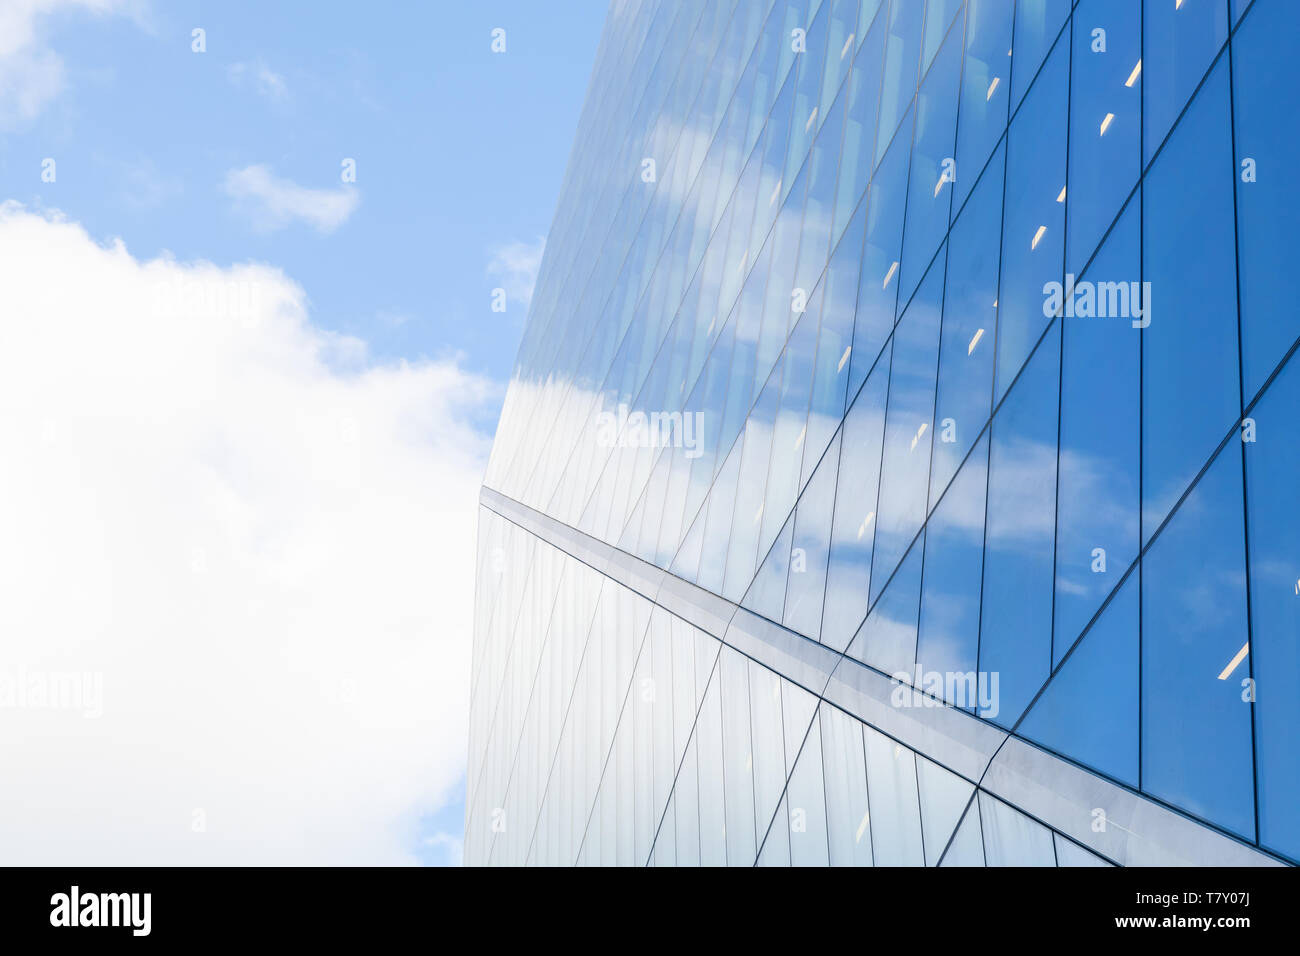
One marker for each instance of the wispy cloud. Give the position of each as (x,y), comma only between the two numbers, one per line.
(515,266)
(261,78)
(32,74)
(274,203)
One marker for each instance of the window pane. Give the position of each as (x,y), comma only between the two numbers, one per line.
(737,758)
(878,286)
(839,47)
(1032,239)
(806,800)
(708,731)
(1089,711)
(807,94)
(902,49)
(849,573)
(887,639)
(1013,839)
(1097,528)
(1196,746)
(742,549)
(895,811)
(811,547)
(1105,121)
(985,89)
(948,634)
(1190,395)
(930,194)
(847,814)
(1273,475)
(909,427)
(1037,24)
(769,749)
(1266,73)
(860,124)
(968,338)
(830,380)
(1179,43)
(1016,618)
(944,796)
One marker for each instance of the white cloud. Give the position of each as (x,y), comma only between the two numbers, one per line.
(274,203)
(265,80)
(31,74)
(515,266)
(448,847)
(258,539)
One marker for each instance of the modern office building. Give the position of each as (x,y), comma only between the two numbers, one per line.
(901,462)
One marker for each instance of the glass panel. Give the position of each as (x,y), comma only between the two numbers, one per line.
(820,202)
(933,163)
(708,732)
(742,548)
(969,328)
(1013,839)
(806,800)
(909,427)
(1272,477)
(641,711)
(1037,24)
(806,585)
(887,640)
(1016,618)
(967,847)
(1179,42)
(776,844)
(948,634)
(1089,711)
(798,711)
(686,797)
(1105,121)
(939,24)
(791,427)
(766,596)
(985,89)
(878,285)
(769,748)
(944,796)
(1190,393)
(839,48)
(1032,237)
(720,505)
(895,811)
(1097,527)
(902,53)
(738,759)
(1196,715)
(860,124)
(1069,853)
(849,572)
(807,93)
(1266,72)
(848,820)
(830,380)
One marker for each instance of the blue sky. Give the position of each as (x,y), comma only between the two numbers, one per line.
(459,152)
(245,484)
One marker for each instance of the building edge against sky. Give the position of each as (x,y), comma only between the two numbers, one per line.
(898,466)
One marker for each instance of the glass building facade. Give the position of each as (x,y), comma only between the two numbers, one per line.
(900,463)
